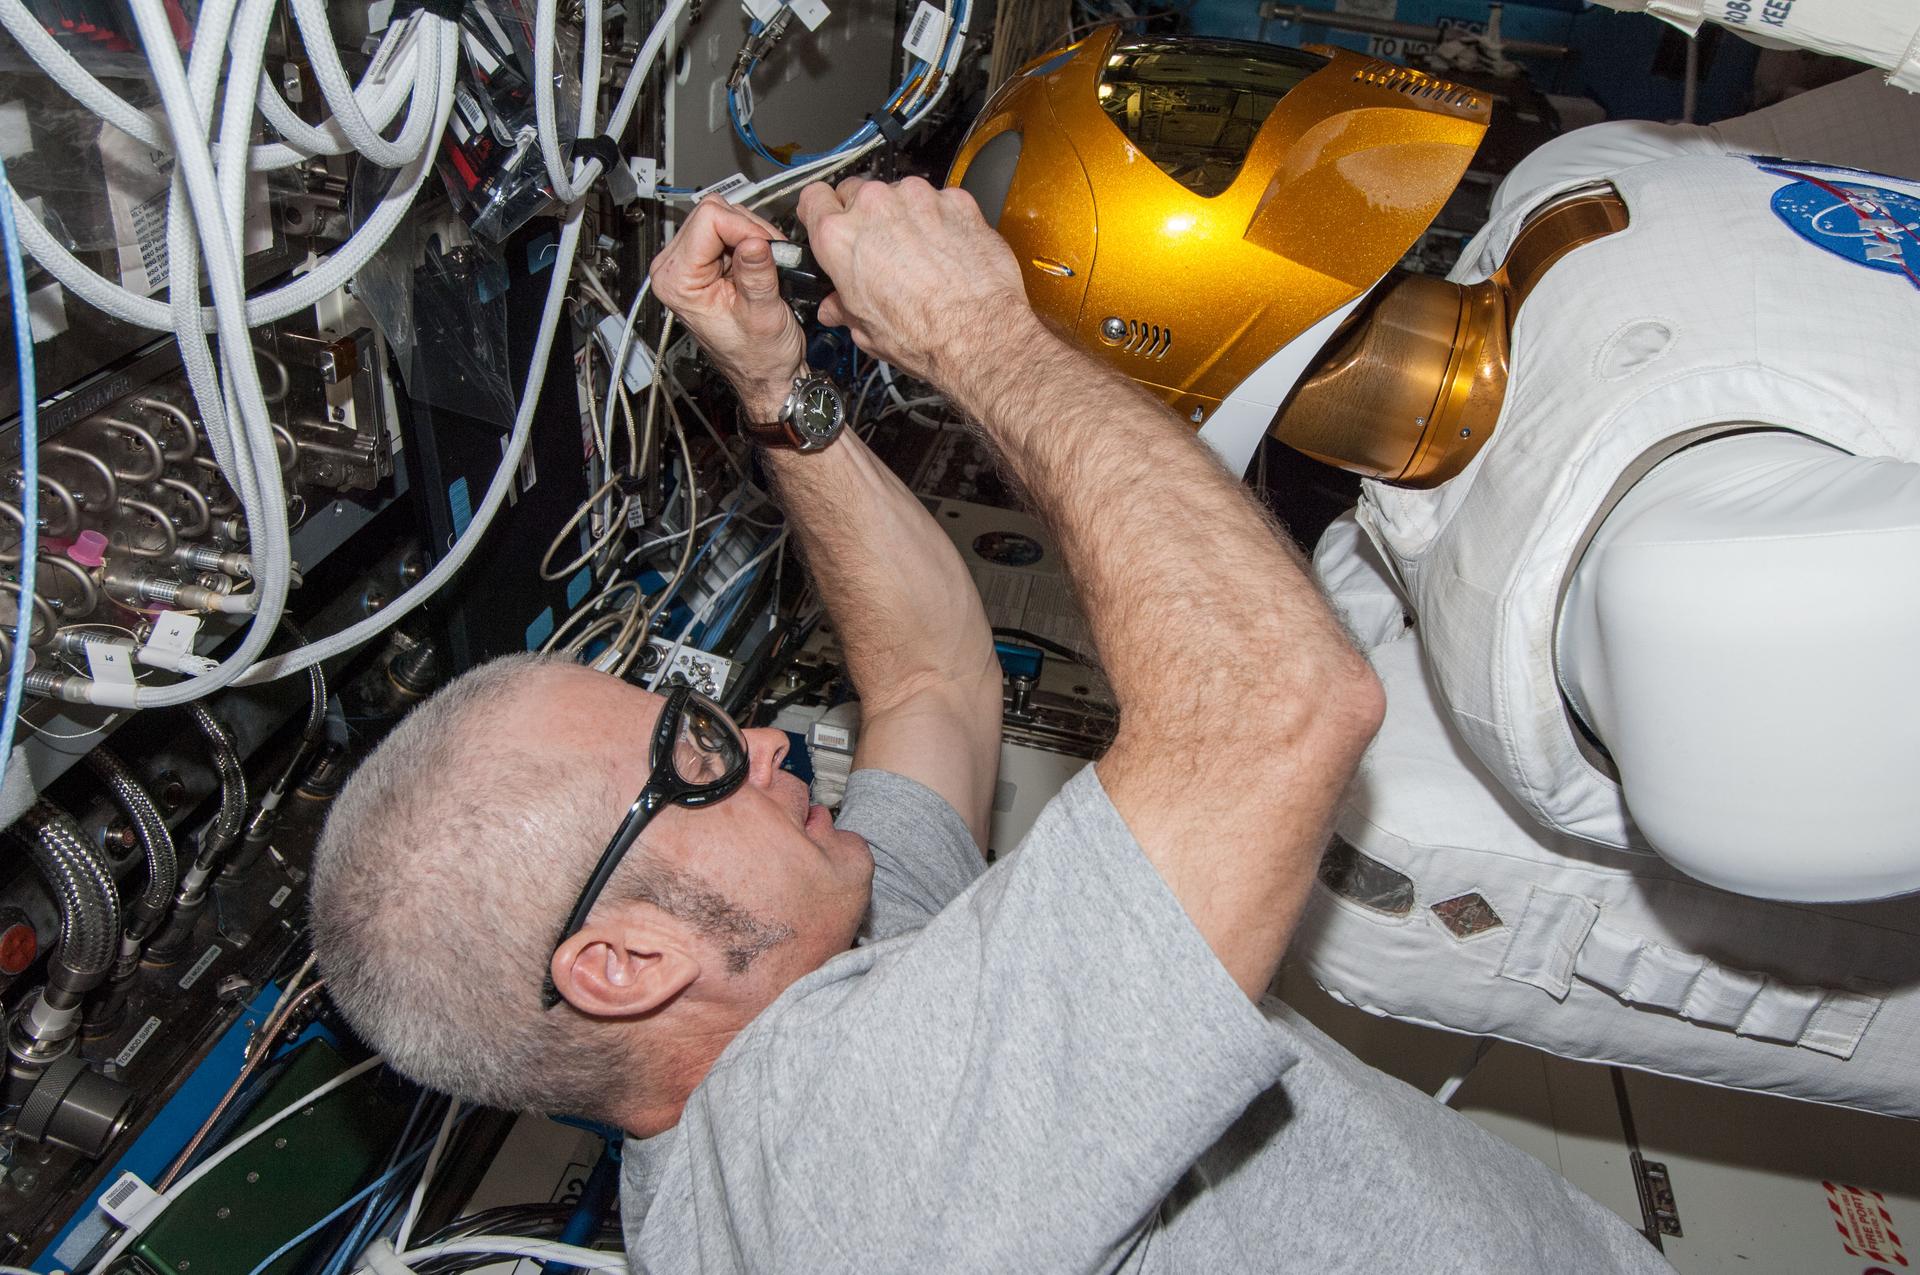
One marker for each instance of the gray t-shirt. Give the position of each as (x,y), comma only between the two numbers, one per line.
(1042,1067)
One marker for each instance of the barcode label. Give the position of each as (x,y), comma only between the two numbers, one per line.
(128,1200)
(926,33)
(470,112)
(726,187)
(743,102)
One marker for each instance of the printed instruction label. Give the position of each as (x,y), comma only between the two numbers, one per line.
(926,34)
(207,958)
(139,1042)
(1865,1226)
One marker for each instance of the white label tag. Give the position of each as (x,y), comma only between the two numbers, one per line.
(174,631)
(129,1200)
(834,738)
(726,188)
(926,34)
(761,11)
(639,369)
(743,102)
(811,12)
(207,958)
(139,1042)
(280,896)
(389,51)
(646,174)
(109,665)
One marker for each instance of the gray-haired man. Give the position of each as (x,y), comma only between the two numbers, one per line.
(1053,1065)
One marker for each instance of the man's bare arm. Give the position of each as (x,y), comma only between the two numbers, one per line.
(908,619)
(909,623)
(1243,707)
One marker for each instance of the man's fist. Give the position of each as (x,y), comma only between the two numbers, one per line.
(920,278)
(718,276)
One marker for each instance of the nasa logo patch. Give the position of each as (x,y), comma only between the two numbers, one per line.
(1868,225)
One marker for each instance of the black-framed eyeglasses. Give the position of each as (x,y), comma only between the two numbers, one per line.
(698,757)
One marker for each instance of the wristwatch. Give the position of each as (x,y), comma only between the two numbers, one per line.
(809,421)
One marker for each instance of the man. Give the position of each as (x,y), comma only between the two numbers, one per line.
(1053,1065)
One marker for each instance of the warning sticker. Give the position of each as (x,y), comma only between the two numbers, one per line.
(1865,1226)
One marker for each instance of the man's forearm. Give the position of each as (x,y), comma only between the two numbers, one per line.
(1243,706)
(908,619)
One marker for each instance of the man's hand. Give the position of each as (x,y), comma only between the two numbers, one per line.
(922,280)
(718,276)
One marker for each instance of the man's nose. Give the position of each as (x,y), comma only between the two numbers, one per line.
(766,749)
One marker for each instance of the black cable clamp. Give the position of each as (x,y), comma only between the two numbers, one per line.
(602,148)
(891,127)
(448,9)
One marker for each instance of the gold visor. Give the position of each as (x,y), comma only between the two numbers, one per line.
(1185,208)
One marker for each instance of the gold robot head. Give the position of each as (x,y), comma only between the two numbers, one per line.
(1185,208)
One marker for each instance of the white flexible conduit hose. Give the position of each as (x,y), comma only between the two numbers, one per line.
(546,33)
(333,273)
(326,648)
(220,238)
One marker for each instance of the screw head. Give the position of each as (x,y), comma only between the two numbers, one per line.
(279,1144)
(223,1212)
(1199,415)
(1113,328)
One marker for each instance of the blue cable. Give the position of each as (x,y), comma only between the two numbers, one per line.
(363,1228)
(29,471)
(339,1209)
(743,129)
(596,1200)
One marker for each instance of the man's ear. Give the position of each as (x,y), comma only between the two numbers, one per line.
(626,965)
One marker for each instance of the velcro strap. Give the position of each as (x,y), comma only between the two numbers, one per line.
(602,148)
(448,9)
(1644,973)
(1546,941)
(1560,937)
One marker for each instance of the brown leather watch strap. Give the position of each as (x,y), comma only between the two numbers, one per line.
(769,433)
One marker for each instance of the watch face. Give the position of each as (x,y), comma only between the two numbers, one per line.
(818,413)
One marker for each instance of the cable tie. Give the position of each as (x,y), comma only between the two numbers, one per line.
(891,127)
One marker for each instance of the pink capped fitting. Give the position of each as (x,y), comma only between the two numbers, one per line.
(89,549)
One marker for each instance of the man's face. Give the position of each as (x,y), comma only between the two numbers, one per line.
(765,848)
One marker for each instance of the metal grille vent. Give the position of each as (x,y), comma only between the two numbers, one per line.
(1148,340)
(1400,79)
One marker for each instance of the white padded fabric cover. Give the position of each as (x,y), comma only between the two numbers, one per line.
(1601,954)
(1743,290)
(1882,33)
(1741,634)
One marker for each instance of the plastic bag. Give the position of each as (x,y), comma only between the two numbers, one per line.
(490,158)
(438,295)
